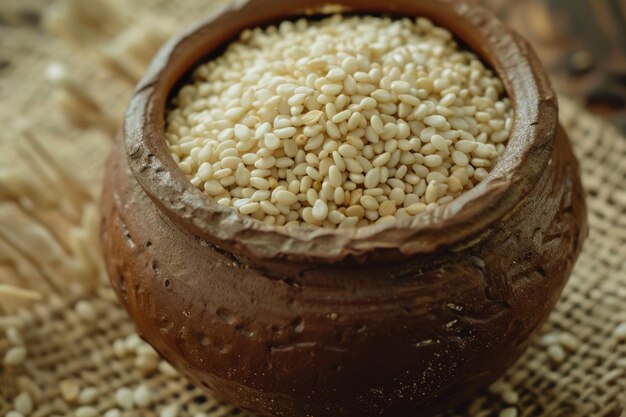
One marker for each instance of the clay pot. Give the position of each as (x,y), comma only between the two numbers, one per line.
(385,320)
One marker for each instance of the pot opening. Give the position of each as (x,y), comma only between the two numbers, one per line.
(517,168)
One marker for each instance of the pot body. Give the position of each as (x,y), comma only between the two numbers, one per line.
(351,339)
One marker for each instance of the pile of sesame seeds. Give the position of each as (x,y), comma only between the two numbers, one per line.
(343,122)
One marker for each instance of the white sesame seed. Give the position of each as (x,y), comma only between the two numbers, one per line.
(397,195)
(400,87)
(336,217)
(341,116)
(448,100)
(356,210)
(335,177)
(85,310)
(332,89)
(372,178)
(336,74)
(355,121)
(381,96)
(389,131)
(409,100)
(320,210)
(231,162)
(508,412)
(460,158)
(285,89)
(142,396)
(242,175)
(386,220)
(484,151)
(166,369)
(124,398)
(499,386)
(222,173)
(242,132)
(286,198)
(416,208)
(439,143)
(87,395)
(432,192)
(435,121)
(349,222)
(113,412)
(350,65)
(265,163)
(271,141)
(249,208)
(454,184)
(259,183)
(23,403)
(14,336)
(387,208)
(15,356)
(86,411)
(285,132)
(368,103)
(556,353)
(480,163)
(441,84)
(330,110)
(377,124)
(381,159)
(312,117)
(620,332)
(433,161)
(70,390)
(260,195)
(213,188)
(510,397)
(169,411)
(332,130)
(369,203)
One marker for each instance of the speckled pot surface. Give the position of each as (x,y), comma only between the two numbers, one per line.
(385,320)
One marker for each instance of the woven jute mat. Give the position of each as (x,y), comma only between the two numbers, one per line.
(81,354)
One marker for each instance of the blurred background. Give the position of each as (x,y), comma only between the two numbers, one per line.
(583,45)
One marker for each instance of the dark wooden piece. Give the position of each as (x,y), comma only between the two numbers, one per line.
(582,43)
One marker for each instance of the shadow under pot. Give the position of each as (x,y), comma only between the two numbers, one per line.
(381,320)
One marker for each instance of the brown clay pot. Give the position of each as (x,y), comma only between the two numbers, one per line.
(407,319)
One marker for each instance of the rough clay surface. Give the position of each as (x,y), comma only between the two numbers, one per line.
(291,339)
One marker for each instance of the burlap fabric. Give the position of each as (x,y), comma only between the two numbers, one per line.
(53,141)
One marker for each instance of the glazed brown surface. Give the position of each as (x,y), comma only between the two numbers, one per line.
(380,320)
(318,340)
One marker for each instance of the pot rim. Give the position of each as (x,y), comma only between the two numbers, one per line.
(458,224)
